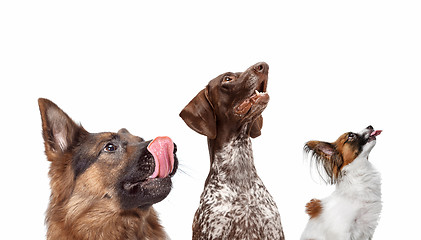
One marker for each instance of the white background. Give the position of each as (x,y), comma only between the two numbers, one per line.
(334,67)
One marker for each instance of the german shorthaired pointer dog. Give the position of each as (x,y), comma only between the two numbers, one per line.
(235,203)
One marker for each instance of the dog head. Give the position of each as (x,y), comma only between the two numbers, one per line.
(229,102)
(331,158)
(119,170)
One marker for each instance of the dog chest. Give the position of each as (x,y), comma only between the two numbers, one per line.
(241,213)
(235,203)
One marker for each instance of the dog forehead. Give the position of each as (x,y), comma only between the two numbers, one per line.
(127,136)
(217,81)
(346,147)
(215,86)
(95,138)
(342,139)
(95,141)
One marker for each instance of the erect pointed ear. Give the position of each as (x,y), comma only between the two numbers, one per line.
(199,115)
(256,126)
(60,132)
(321,149)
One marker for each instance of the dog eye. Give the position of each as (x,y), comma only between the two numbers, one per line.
(110,147)
(227,78)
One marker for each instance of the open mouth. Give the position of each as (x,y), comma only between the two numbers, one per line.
(373,135)
(259,97)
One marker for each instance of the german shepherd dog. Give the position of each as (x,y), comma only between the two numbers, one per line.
(103,185)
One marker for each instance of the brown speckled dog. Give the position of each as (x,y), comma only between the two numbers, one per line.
(235,203)
(103,185)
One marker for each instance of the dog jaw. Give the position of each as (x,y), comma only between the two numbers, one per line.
(228,103)
(257,99)
(143,185)
(331,158)
(353,209)
(85,174)
(256,75)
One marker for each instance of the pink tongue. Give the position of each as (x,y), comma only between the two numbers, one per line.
(376,133)
(162,149)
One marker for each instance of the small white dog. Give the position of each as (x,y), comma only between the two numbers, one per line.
(352,211)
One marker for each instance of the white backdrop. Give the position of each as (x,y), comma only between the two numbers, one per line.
(334,67)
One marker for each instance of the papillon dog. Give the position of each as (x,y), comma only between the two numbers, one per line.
(352,211)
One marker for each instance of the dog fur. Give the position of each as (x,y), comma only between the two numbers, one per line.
(352,211)
(99,185)
(234,204)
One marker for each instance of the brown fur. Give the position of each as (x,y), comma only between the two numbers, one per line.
(88,205)
(314,208)
(229,108)
(336,155)
(345,162)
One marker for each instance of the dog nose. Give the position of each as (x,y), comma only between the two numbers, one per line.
(175,148)
(370,127)
(261,67)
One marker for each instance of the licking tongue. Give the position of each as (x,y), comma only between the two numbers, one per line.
(376,133)
(162,149)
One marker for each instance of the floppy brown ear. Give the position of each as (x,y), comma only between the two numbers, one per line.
(60,132)
(256,127)
(199,115)
(321,149)
(326,157)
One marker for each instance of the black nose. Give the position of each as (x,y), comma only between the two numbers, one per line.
(261,67)
(370,127)
(175,148)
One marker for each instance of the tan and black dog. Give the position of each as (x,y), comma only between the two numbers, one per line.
(103,185)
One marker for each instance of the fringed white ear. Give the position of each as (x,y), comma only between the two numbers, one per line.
(325,160)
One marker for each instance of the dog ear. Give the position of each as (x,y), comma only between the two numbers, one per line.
(60,132)
(256,126)
(326,157)
(321,149)
(199,115)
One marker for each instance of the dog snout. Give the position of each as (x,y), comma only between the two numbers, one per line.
(370,127)
(261,67)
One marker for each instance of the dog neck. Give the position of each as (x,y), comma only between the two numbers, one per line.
(137,223)
(360,181)
(232,160)
(227,133)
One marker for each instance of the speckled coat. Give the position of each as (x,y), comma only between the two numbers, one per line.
(235,203)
